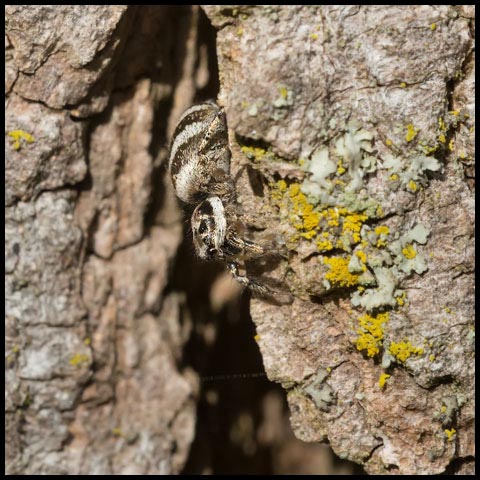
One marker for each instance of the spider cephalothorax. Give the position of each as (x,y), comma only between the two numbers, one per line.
(209,228)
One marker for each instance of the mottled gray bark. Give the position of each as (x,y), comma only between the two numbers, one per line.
(93,342)
(352,136)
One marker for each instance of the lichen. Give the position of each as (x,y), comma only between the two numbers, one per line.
(331,227)
(17,135)
(412,186)
(301,213)
(371,333)
(79,359)
(339,274)
(285,99)
(449,433)
(382,296)
(409,251)
(320,392)
(407,258)
(402,351)
(350,148)
(383,380)
(410,172)
(254,153)
(411,132)
(401,297)
(381,232)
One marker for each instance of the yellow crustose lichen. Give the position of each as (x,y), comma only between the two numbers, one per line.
(338,227)
(303,216)
(352,224)
(17,135)
(409,251)
(79,359)
(401,299)
(339,275)
(412,186)
(450,433)
(381,230)
(371,333)
(411,132)
(402,351)
(324,245)
(254,153)
(383,379)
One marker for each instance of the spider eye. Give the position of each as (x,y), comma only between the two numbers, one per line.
(212,252)
(203,227)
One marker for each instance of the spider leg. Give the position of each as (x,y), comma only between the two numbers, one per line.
(248,282)
(236,245)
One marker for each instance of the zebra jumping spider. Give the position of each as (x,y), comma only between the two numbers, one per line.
(199,166)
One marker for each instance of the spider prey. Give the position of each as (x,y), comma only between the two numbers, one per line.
(199,166)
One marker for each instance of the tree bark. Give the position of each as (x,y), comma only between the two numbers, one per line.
(352,140)
(351,129)
(94,341)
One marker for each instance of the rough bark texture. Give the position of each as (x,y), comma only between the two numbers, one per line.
(93,341)
(96,381)
(352,137)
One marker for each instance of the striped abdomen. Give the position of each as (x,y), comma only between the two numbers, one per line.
(199,162)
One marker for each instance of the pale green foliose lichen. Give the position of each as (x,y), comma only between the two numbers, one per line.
(317,189)
(381,296)
(410,172)
(321,393)
(351,147)
(406,257)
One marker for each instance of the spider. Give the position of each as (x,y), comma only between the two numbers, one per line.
(199,166)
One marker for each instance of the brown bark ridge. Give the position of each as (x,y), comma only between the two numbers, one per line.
(93,338)
(352,141)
